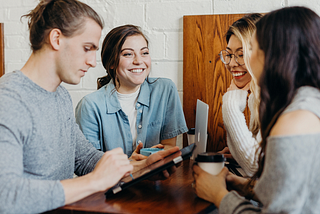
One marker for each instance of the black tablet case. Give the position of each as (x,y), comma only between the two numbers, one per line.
(151,170)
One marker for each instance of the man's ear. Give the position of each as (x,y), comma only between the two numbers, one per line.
(55,38)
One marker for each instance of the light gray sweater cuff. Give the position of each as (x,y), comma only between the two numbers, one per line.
(58,195)
(234,203)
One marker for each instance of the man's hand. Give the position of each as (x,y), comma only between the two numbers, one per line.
(112,166)
(110,169)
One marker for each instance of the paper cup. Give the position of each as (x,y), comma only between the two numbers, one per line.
(211,162)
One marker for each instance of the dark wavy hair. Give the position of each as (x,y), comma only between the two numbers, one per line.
(290,40)
(111,49)
(66,15)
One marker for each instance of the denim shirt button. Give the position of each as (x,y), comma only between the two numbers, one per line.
(139,141)
(138,105)
(139,126)
(140,111)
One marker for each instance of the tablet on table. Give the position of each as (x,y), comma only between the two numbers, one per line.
(152,169)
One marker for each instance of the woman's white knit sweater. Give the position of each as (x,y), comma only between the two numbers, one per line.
(240,140)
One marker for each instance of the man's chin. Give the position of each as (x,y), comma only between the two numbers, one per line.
(72,82)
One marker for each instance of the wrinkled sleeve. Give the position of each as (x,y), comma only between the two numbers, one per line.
(240,140)
(19,194)
(86,155)
(174,123)
(88,121)
(283,185)
(234,203)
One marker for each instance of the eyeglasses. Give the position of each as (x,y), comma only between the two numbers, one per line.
(225,57)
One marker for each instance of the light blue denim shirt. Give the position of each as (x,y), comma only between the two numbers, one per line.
(106,126)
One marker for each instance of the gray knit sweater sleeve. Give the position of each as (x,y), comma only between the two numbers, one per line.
(40,144)
(290,181)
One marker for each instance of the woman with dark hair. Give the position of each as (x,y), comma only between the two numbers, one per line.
(286,61)
(41,146)
(130,110)
(242,140)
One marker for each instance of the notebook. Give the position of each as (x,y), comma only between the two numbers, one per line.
(201,128)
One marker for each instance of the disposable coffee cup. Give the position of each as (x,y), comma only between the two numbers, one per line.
(190,135)
(211,162)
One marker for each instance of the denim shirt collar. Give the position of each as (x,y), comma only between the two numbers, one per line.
(112,102)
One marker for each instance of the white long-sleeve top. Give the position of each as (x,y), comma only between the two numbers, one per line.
(240,140)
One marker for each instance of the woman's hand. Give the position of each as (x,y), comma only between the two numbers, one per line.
(240,185)
(226,153)
(157,158)
(210,187)
(160,146)
(136,154)
(236,183)
(234,87)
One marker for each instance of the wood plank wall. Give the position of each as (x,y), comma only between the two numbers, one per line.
(204,75)
(1,49)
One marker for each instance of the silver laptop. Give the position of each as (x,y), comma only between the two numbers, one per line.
(201,128)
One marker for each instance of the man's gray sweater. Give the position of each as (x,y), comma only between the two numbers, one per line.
(40,144)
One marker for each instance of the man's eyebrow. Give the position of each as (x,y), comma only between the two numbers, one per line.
(93,45)
(144,48)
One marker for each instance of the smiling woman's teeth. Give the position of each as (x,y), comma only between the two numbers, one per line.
(238,74)
(136,70)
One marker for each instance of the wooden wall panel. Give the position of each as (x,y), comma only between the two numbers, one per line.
(1,49)
(204,75)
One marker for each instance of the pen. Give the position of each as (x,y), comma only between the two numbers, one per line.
(131,176)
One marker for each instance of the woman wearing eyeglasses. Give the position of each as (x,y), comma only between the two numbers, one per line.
(286,62)
(242,140)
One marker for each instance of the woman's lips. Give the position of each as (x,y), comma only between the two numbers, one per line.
(238,75)
(137,70)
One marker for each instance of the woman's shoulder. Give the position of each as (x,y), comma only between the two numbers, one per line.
(94,97)
(306,98)
(160,83)
(296,122)
(302,116)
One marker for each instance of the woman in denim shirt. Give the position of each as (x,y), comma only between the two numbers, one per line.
(130,110)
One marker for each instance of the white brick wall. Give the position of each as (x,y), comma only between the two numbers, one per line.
(161,20)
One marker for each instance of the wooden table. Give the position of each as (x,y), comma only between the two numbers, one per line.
(174,195)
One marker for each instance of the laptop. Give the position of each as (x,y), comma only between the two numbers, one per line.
(235,168)
(201,128)
(202,114)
